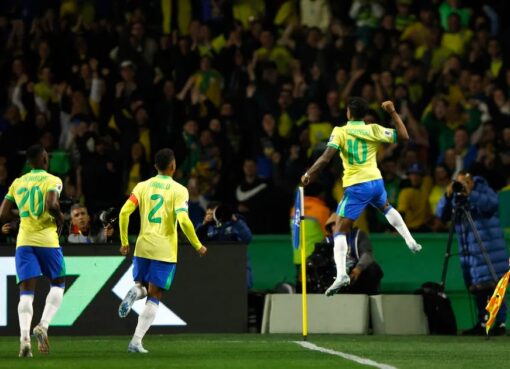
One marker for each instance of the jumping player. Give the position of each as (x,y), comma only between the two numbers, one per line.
(358,144)
(37,247)
(163,203)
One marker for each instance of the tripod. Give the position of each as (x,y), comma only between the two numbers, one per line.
(460,213)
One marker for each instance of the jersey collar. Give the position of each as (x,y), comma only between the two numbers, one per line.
(356,123)
(37,171)
(163,177)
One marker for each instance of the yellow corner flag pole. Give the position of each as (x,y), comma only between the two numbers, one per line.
(496,300)
(302,245)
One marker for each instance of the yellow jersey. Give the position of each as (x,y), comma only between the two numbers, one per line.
(160,199)
(358,144)
(38,227)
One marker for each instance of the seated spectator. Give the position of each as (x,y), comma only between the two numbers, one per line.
(221,224)
(84,230)
(413,201)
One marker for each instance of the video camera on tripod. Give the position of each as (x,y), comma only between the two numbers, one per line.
(459,192)
(461,214)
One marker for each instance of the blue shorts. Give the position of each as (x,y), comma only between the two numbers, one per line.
(358,196)
(159,273)
(32,261)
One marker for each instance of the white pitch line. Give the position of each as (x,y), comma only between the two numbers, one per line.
(357,359)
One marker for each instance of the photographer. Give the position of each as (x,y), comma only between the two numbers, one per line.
(474,195)
(220,224)
(83,230)
(363,270)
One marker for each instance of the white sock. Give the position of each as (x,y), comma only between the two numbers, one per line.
(395,219)
(53,302)
(141,291)
(25,312)
(144,321)
(340,254)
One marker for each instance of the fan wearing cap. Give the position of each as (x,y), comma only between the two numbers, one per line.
(413,201)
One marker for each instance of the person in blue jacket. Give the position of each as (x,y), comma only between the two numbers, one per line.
(220,224)
(476,196)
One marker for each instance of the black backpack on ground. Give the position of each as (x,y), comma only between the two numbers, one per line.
(438,308)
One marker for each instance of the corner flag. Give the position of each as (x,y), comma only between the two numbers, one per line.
(296,221)
(496,300)
(298,241)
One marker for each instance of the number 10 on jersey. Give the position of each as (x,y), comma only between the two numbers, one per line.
(353,148)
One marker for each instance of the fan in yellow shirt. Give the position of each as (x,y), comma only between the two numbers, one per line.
(162,203)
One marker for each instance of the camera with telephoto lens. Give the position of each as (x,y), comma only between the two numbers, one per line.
(459,192)
(108,217)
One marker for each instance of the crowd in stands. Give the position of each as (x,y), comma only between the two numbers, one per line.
(247,92)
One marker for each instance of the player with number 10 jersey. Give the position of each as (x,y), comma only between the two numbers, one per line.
(358,144)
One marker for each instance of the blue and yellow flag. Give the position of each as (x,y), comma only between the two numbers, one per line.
(296,221)
(496,300)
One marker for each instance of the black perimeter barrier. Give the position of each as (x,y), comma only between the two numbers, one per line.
(208,294)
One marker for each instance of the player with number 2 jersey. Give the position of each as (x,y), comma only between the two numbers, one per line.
(162,203)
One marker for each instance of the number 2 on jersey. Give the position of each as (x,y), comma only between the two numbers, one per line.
(353,151)
(155,208)
(35,196)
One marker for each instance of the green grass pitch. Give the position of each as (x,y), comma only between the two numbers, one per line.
(262,351)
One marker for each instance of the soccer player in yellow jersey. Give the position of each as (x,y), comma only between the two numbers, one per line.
(358,144)
(37,247)
(162,203)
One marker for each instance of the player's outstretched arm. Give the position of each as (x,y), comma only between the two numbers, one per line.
(402,134)
(189,231)
(319,164)
(125,212)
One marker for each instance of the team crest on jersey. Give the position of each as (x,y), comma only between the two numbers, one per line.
(387,133)
(58,188)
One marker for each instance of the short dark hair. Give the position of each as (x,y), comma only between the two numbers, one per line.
(164,158)
(358,107)
(77,206)
(34,153)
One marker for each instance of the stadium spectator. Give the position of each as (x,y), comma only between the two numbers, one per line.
(413,201)
(197,203)
(74,78)
(221,224)
(137,169)
(253,199)
(482,202)
(83,229)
